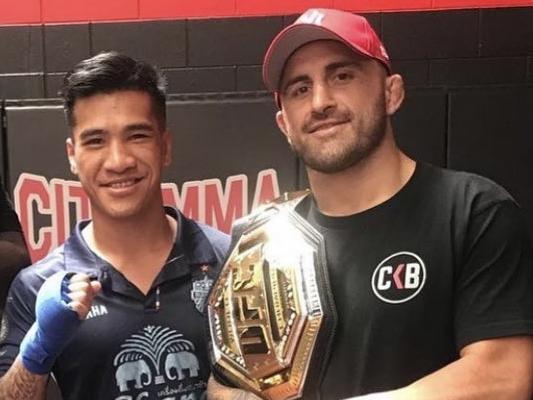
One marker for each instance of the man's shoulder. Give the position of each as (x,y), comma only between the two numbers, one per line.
(468,187)
(218,239)
(34,275)
(198,235)
(8,218)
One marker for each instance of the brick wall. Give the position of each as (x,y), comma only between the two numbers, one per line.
(430,48)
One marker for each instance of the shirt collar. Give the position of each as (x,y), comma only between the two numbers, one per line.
(190,247)
(193,242)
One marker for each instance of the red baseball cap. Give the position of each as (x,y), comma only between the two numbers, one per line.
(321,24)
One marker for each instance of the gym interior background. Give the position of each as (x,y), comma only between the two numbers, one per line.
(468,66)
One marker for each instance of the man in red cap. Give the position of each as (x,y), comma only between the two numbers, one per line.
(430,269)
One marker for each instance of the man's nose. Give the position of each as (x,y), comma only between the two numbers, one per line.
(323,99)
(119,157)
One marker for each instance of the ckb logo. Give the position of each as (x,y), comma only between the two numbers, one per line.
(399,278)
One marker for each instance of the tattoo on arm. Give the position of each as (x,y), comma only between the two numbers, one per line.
(20,384)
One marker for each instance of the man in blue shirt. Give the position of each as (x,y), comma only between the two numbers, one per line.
(116,312)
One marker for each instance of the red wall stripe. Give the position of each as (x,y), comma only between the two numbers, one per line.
(20,11)
(64,11)
(478,3)
(272,7)
(88,10)
(382,5)
(149,9)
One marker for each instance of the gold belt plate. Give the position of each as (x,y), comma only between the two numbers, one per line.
(265,309)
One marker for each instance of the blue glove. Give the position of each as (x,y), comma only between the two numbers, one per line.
(55,324)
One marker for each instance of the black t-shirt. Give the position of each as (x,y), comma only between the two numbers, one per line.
(8,219)
(443,263)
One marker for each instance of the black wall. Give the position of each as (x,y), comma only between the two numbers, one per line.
(480,47)
(469,78)
(469,104)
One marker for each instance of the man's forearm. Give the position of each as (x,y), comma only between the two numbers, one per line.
(20,384)
(500,369)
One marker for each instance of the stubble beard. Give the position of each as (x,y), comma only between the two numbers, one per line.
(344,152)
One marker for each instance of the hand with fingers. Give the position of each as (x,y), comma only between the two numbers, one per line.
(63,301)
(81,291)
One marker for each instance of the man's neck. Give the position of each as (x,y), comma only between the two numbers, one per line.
(118,240)
(366,184)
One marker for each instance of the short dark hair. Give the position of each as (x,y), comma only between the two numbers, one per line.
(111,71)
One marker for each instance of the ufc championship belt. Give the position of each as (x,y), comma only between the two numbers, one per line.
(271,311)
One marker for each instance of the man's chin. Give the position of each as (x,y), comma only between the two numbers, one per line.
(120,213)
(330,165)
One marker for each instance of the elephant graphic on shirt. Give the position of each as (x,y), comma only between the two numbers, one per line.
(133,371)
(181,361)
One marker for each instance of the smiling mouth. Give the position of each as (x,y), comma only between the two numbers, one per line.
(122,183)
(325,125)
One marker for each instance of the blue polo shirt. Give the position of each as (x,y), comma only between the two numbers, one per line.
(131,345)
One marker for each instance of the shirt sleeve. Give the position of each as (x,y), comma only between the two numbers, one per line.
(18,317)
(8,218)
(494,291)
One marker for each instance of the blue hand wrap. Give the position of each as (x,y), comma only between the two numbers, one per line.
(55,324)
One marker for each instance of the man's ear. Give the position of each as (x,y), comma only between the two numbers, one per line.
(394,93)
(167,148)
(70,154)
(282,125)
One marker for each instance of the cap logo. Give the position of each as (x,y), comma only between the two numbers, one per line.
(314,17)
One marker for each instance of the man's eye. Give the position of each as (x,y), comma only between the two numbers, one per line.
(343,76)
(93,142)
(299,91)
(139,135)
